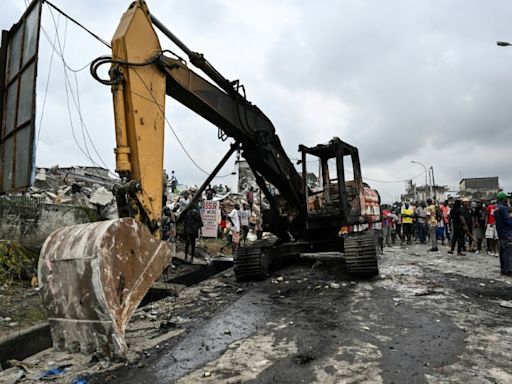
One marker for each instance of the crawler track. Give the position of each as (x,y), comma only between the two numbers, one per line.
(250,263)
(361,254)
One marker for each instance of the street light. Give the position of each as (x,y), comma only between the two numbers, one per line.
(433,184)
(425,168)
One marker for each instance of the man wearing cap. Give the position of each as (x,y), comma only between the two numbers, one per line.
(504,229)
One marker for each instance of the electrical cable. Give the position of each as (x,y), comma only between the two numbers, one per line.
(370,179)
(77,23)
(85,131)
(95,64)
(390,181)
(47,36)
(46,89)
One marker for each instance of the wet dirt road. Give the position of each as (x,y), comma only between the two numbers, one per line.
(428,318)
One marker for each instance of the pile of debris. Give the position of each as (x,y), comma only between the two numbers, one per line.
(82,186)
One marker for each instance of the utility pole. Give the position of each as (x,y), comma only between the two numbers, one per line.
(426,172)
(433,182)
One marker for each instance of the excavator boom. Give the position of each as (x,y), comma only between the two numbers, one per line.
(94,276)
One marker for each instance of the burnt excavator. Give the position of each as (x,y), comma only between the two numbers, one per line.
(93,276)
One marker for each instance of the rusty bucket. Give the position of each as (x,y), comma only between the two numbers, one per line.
(93,277)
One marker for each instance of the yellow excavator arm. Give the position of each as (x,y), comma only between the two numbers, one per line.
(94,276)
(139,103)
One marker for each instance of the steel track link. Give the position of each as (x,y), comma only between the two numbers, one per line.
(360,251)
(248,263)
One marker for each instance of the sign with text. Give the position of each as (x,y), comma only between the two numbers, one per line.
(210,214)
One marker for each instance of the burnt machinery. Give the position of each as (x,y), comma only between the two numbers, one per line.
(93,276)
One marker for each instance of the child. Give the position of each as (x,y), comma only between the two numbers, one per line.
(440,231)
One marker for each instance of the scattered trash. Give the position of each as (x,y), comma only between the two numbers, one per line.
(207,374)
(334,285)
(482,284)
(506,304)
(280,278)
(79,380)
(239,290)
(426,293)
(227,332)
(366,328)
(54,373)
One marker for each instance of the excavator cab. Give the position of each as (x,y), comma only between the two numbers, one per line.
(333,189)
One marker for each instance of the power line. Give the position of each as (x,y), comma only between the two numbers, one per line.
(395,181)
(77,23)
(172,129)
(76,100)
(46,89)
(77,103)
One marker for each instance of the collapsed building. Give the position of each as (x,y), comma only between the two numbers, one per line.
(58,197)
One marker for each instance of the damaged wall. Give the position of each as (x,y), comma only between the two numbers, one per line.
(30,222)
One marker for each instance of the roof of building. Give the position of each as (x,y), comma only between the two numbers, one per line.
(480,183)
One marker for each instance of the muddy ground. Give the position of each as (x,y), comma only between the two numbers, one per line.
(21,306)
(429,317)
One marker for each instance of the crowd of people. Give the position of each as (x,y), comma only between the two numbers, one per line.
(464,224)
(233,226)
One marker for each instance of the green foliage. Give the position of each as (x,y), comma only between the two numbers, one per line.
(16,262)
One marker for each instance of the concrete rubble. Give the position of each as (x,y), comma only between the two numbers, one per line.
(86,186)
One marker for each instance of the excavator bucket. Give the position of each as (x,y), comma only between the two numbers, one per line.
(93,277)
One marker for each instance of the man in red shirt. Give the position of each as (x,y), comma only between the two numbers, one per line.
(490,229)
(445,211)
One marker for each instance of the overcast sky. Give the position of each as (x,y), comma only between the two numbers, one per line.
(401,80)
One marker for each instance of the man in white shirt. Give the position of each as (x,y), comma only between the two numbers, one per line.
(245,214)
(234,218)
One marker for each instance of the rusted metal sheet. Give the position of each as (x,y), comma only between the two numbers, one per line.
(18,70)
(93,277)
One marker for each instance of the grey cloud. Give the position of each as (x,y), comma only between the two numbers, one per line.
(406,80)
